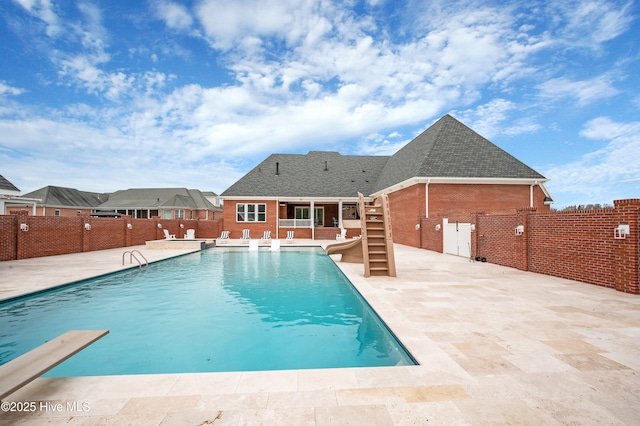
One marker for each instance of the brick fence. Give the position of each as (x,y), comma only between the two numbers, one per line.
(577,245)
(23,236)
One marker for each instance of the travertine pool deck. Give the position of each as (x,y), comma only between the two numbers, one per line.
(495,346)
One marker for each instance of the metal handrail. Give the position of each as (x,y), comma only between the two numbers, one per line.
(132,255)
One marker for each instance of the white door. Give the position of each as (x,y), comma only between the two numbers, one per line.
(457,238)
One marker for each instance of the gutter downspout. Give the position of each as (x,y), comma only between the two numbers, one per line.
(531,194)
(426,198)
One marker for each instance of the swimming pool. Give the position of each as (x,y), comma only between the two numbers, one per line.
(215,310)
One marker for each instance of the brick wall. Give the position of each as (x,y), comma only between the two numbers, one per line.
(50,235)
(577,245)
(406,207)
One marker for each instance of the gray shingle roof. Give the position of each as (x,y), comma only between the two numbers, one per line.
(152,198)
(447,149)
(67,197)
(6,185)
(305,175)
(450,149)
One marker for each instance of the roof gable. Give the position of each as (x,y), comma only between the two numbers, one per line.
(67,197)
(450,149)
(7,187)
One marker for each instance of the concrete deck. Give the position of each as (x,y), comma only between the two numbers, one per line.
(496,346)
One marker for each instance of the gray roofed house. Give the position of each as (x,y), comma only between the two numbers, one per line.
(57,196)
(168,203)
(450,170)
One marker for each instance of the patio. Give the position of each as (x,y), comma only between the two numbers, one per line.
(495,346)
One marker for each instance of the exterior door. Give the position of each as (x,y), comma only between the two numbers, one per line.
(318,216)
(457,238)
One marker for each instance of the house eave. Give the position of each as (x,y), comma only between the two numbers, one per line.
(462,181)
(304,199)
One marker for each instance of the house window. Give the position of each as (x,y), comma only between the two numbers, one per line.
(57,213)
(251,212)
(166,214)
(302,212)
(179,214)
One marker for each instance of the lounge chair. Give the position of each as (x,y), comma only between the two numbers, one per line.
(224,238)
(190,235)
(245,236)
(275,245)
(266,237)
(168,236)
(342,235)
(253,245)
(290,237)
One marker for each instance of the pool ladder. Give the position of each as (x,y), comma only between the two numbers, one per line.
(132,255)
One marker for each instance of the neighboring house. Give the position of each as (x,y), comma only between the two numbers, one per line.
(60,201)
(10,199)
(448,171)
(166,203)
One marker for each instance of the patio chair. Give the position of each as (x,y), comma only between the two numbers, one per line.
(266,237)
(224,238)
(290,237)
(190,235)
(168,236)
(342,235)
(245,236)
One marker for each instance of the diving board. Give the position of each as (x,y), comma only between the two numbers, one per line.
(27,367)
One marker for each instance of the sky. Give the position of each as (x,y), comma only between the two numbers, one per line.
(103,95)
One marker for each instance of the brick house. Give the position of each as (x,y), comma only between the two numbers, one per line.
(166,203)
(447,172)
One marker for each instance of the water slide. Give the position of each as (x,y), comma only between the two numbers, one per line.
(374,248)
(351,250)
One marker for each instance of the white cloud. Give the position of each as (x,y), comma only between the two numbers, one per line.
(601,175)
(174,15)
(43,10)
(5,89)
(584,92)
(590,23)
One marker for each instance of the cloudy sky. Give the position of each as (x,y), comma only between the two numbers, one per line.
(101,95)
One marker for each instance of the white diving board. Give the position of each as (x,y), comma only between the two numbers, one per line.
(27,367)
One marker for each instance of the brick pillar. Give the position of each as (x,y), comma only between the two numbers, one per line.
(21,240)
(522,241)
(627,250)
(86,233)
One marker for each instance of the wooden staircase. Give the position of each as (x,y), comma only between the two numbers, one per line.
(377,243)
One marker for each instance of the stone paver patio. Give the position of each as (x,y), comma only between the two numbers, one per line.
(495,346)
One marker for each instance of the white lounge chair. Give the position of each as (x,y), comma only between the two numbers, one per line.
(223,238)
(168,236)
(253,245)
(290,237)
(342,235)
(275,245)
(245,236)
(266,237)
(190,235)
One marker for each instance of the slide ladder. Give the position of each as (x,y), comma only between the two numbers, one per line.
(377,242)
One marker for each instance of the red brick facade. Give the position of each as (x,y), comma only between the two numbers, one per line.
(456,202)
(50,235)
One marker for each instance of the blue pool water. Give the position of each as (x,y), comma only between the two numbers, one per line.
(216,310)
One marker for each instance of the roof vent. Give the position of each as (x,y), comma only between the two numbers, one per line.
(277,169)
(326,168)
